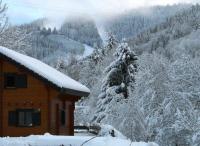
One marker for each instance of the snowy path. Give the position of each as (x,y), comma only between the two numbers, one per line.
(49,140)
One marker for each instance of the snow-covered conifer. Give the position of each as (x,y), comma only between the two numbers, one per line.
(96,56)
(111,42)
(118,81)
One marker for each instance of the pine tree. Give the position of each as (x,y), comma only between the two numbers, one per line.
(43,31)
(96,56)
(121,71)
(49,31)
(110,44)
(60,64)
(118,81)
(55,31)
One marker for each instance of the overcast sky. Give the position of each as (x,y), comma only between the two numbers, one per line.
(22,11)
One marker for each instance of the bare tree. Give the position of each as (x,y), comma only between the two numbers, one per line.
(3,17)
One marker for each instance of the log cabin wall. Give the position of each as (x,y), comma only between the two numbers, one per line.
(37,95)
(68,127)
(69,104)
(57,106)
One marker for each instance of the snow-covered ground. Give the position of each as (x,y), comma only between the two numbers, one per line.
(49,140)
(101,30)
(88,50)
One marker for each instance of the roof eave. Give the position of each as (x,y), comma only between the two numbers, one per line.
(75,92)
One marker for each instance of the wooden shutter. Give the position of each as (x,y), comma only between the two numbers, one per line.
(12,118)
(21,81)
(36,118)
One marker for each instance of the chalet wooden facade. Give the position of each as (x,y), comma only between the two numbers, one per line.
(34,98)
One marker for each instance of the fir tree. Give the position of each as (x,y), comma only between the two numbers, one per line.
(121,71)
(110,44)
(96,56)
(60,64)
(118,81)
(49,31)
(55,31)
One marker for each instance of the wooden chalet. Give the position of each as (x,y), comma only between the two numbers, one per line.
(34,97)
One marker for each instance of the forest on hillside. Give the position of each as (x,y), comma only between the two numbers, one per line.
(144,80)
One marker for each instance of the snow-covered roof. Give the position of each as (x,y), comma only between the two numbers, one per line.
(52,75)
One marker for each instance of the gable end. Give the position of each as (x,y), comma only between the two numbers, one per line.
(46,81)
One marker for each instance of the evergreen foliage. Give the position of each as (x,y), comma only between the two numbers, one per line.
(118,80)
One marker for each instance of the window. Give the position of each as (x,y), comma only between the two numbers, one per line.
(12,118)
(63,117)
(21,81)
(10,80)
(15,81)
(24,117)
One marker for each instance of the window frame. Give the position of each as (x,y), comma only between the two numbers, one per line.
(17,81)
(25,116)
(6,79)
(16,123)
(21,81)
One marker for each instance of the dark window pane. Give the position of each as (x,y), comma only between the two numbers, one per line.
(25,117)
(12,118)
(21,81)
(63,117)
(36,118)
(21,118)
(10,80)
(28,118)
